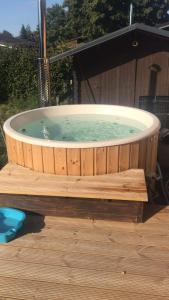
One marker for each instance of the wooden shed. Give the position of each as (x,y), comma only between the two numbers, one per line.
(121,67)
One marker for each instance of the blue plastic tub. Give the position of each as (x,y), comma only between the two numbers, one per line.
(11,220)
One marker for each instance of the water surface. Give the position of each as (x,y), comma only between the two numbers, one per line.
(82,128)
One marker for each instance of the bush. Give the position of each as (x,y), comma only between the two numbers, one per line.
(18,73)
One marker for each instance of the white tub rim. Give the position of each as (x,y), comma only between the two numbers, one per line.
(155,126)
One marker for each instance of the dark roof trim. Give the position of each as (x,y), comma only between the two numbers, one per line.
(110,36)
(163,25)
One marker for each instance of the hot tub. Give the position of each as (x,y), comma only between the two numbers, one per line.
(85,157)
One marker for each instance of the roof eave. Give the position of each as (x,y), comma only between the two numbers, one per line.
(110,36)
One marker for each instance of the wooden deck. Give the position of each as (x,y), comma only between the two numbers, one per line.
(73,259)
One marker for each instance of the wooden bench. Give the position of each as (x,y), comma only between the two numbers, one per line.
(118,196)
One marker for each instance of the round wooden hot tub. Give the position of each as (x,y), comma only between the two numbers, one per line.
(83,158)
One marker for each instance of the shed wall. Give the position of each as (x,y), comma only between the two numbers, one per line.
(123,84)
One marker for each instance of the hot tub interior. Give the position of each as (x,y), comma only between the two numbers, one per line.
(82,127)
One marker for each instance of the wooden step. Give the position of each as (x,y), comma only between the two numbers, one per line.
(128,185)
(82,196)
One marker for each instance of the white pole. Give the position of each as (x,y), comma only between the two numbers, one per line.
(44,75)
(131,14)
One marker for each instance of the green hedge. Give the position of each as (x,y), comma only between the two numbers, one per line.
(18,73)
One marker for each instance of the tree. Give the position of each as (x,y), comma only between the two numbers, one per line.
(27,34)
(91,19)
(23,33)
(151,12)
(6,36)
(75,19)
(56,22)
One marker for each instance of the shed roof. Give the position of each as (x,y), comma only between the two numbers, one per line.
(111,36)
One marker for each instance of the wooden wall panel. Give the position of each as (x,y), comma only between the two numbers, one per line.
(27,152)
(154,154)
(48,160)
(91,89)
(9,149)
(114,86)
(122,82)
(112,159)
(144,82)
(143,76)
(110,86)
(19,153)
(149,155)
(60,161)
(124,157)
(134,155)
(100,161)
(127,83)
(37,158)
(162,59)
(87,162)
(142,154)
(73,162)
(12,146)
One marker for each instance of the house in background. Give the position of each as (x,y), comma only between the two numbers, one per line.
(121,67)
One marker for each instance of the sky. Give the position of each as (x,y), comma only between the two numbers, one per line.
(14,13)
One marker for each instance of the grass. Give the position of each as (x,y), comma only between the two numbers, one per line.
(8,109)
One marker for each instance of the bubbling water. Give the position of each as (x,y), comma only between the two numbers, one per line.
(81,128)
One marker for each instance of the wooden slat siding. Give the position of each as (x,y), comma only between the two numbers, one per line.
(162,59)
(142,153)
(112,159)
(91,161)
(9,150)
(95,88)
(87,161)
(73,162)
(37,158)
(154,154)
(110,86)
(134,155)
(149,155)
(124,157)
(48,160)
(60,161)
(143,74)
(85,96)
(100,161)
(19,152)
(127,83)
(115,85)
(27,152)
(13,153)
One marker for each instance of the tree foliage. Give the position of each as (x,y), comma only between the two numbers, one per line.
(18,72)
(91,19)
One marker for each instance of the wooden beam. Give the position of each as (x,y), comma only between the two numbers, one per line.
(76,207)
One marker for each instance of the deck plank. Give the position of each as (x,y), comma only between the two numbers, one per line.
(74,259)
(30,289)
